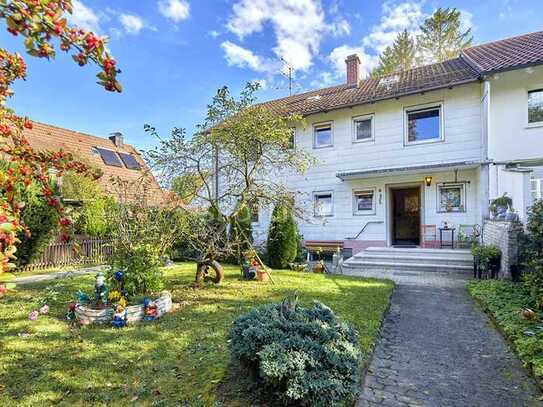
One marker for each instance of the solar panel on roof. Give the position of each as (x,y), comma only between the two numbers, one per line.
(109,157)
(129,161)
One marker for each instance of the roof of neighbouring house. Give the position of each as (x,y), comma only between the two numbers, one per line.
(469,67)
(87,148)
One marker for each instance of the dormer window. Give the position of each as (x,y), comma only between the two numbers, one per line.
(322,135)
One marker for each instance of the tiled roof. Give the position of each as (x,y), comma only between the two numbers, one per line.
(511,53)
(45,137)
(424,78)
(469,67)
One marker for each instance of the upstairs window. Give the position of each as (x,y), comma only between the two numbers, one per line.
(323,204)
(322,135)
(255,212)
(363,128)
(535,106)
(537,188)
(109,157)
(292,139)
(424,125)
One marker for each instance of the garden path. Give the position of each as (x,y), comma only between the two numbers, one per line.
(37,278)
(439,349)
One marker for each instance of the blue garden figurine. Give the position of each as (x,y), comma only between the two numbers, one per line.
(120,317)
(82,297)
(101,289)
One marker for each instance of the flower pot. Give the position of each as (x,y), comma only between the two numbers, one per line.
(262,275)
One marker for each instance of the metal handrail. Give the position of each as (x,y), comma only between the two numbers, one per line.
(377,222)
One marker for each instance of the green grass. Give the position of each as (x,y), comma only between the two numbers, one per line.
(182,359)
(504,300)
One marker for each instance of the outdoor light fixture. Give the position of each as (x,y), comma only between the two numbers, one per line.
(428,181)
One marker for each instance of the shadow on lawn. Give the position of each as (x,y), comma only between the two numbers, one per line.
(182,359)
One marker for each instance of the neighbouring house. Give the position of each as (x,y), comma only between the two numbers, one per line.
(400,155)
(112,155)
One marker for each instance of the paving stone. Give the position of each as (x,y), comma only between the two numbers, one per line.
(438,349)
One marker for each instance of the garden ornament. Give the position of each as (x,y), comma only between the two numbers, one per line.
(120,317)
(70,315)
(118,275)
(101,289)
(150,311)
(82,297)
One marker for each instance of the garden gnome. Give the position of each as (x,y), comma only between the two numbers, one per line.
(120,317)
(101,289)
(150,310)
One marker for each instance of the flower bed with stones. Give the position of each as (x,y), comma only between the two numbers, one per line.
(87,315)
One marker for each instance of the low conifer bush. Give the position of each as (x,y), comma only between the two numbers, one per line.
(302,356)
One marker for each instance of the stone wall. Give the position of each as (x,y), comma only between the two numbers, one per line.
(505,235)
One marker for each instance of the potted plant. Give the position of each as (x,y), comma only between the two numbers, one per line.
(499,206)
(487,261)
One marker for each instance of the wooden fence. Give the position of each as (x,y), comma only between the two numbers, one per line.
(80,251)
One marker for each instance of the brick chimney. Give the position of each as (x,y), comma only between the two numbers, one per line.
(117,138)
(353,69)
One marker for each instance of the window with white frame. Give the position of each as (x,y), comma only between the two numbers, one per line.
(363,128)
(364,202)
(424,125)
(322,135)
(292,139)
(537,192)
(323,203)
(535,106)
(451,197)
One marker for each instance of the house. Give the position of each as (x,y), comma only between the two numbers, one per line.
(112,155)
(401,155)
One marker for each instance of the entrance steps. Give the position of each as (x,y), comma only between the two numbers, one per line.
(415,259)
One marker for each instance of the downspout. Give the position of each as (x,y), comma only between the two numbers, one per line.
(484,180)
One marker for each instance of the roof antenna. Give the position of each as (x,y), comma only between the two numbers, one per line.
(289,74)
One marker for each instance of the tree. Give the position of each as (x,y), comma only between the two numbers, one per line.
(241,231)
(233,153)
(399,56)
(441,36)
(282,241)
(40,23)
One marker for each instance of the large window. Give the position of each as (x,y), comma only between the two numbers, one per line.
(423,125)
(322,135)
(451,198)
(363,128)
(535,106)
(323,204)
(364,202)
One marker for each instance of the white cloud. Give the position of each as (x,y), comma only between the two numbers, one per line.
(262,82)
(131,23)
(339,54)
(241,57)
(214,34)
(299,26)
(466,21)
(176,10)
(340,27)
(84,17)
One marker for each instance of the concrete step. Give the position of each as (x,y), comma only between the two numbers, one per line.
(456,253)
(411,259)
(416,259)
(399,267)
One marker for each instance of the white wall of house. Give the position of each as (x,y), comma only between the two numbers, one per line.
(462,141)
(510,137)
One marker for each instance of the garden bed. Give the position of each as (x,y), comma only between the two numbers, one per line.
(503,301)
(182,359)
(134,313)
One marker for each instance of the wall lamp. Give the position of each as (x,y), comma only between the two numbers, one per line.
(428,181)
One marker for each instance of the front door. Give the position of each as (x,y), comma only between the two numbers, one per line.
(406,216)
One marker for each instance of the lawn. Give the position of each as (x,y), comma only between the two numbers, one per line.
(182,359)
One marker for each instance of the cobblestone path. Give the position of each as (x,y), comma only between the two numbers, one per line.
(439,349)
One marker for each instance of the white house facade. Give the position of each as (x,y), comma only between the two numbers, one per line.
(401,156)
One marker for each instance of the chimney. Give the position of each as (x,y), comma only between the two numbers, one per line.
(117,138)
(353,69)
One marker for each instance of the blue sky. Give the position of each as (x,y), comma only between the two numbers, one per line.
(175,53)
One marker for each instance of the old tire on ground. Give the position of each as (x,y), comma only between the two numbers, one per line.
(203,270)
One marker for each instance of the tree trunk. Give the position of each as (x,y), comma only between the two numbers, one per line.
(202,271)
